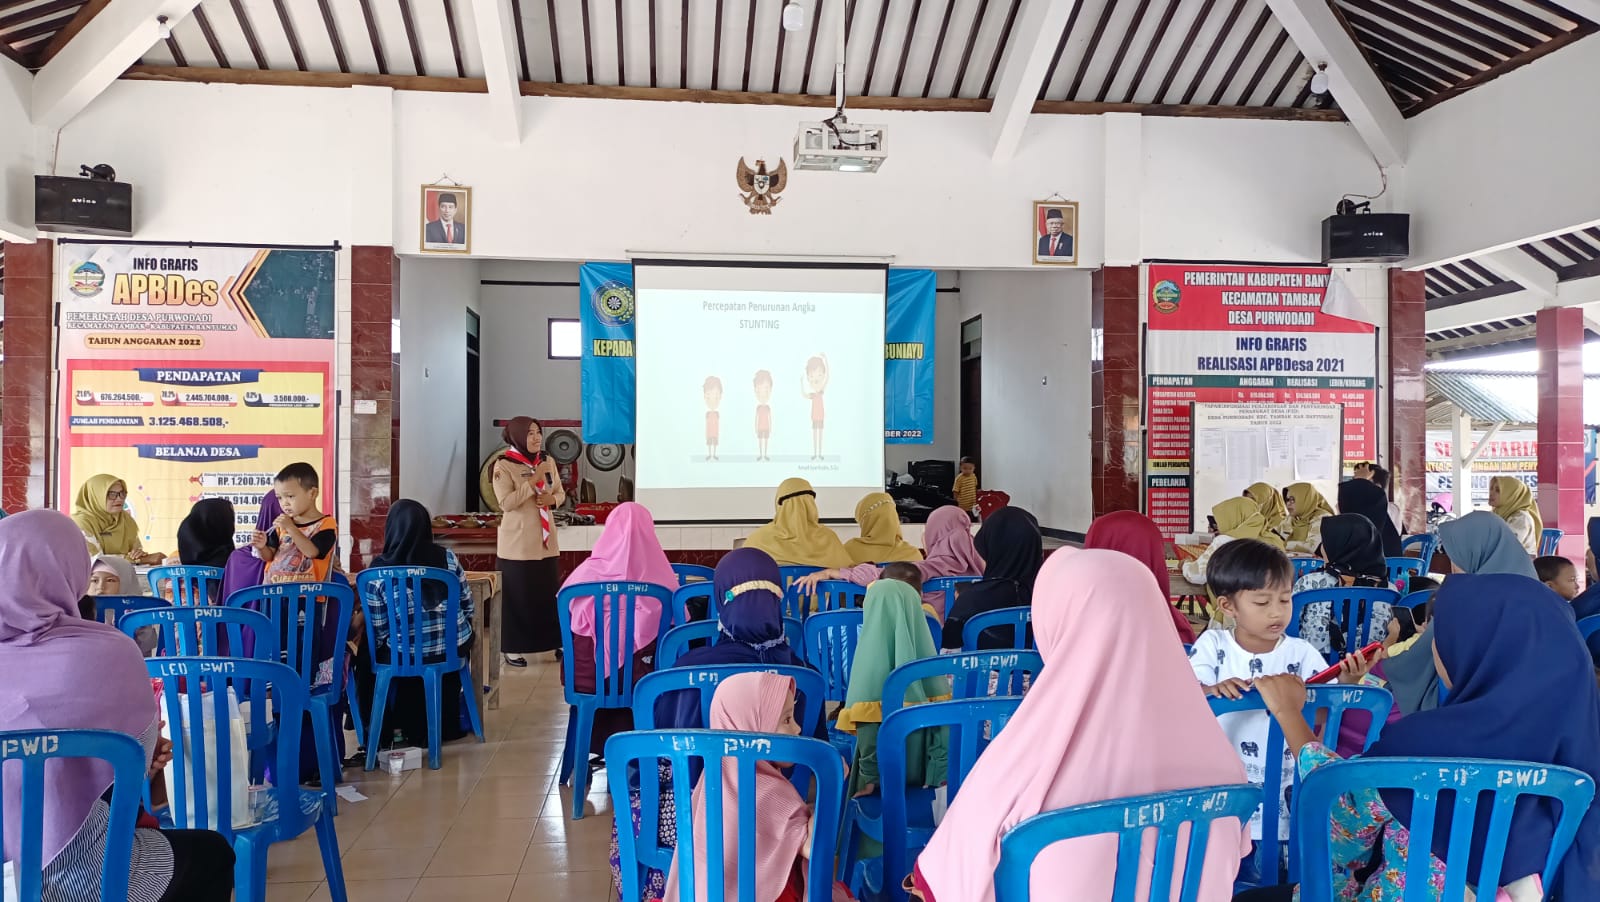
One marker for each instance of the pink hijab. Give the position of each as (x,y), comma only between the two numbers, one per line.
(628,551)
(948,541)
(751,703)
(1115,713)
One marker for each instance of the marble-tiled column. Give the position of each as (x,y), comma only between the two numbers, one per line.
(26,435)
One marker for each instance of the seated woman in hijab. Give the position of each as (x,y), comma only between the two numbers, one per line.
(880,541)
(1361,496)
(1235,518)
(244,568)
(796,536)
(1478,543)
(1303,529)
(1137,536)
(1269,501)
(100,510)
(66,673)
(408,542)
(205,539)
(1351,557)
(1513,502)
(1587,604)
(1012,549)
(1069,743)
(947,538)
(112,575)
(1521,689)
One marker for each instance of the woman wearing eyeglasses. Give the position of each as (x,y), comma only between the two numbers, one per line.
(99,509)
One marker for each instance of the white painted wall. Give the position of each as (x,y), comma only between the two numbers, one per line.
(1507,161)
(1036,347)
(16,146)
(434,295)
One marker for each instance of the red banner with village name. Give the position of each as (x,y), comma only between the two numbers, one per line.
(1245,334)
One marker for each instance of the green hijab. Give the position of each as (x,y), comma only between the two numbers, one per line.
(894,631)
(114,533)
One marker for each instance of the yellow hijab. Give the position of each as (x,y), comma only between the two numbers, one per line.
(116,533)
(1270,501)
(1516,496)
(881,541)
(796,536)
(1309,507)
(1240,518)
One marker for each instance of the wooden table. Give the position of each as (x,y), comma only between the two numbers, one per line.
(486,660)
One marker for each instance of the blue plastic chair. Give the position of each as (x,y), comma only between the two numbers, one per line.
(1350,609)
(30,750)
(937,629)
(612,688)
(298,611)
(190,586)
(900,816)
(1404,568)
(969,674)
(1588,626)
(795,631)
(679,639)
(830,647)
(290,811)
(691,573)
(1549,541)
(795,604)
(947,585)
(178,628)
(639,849)
(1334,701)
(687,593)
(109,609)
(1128,819)
(839,595)
(1304,565)
(1019,619)
(382,588)
(1468,781)
(1425,543)
(809,691)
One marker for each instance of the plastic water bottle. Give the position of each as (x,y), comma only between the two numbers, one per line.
(396,740)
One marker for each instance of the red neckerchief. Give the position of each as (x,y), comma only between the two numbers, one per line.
(544,515)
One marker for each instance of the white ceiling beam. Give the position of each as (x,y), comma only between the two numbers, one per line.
(498,41)
(1571,293)
(1022,73)
(98,55)
(10,231)
(1522,269)
(1319,34)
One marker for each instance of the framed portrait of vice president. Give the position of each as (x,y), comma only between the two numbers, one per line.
(1055,232)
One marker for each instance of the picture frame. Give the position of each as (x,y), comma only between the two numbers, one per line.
(1059,248)
(438,234)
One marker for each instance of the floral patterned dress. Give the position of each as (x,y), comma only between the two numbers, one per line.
(1360,822)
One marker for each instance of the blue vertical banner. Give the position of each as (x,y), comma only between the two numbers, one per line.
(908,357)
(606,373)
(1591,437)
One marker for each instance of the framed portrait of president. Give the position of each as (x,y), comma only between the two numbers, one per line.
(1055,232)
(446,219)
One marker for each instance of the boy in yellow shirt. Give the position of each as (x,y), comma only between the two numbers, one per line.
(966,487)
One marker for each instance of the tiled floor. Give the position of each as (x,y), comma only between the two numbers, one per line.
(491,825)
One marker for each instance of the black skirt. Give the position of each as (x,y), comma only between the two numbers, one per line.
(529,623)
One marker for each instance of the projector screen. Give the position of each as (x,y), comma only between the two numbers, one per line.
(749,374)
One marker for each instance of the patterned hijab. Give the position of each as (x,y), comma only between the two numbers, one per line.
(881,541)
(796,536)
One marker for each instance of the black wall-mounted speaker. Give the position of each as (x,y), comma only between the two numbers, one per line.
(83,206)
(1366,238)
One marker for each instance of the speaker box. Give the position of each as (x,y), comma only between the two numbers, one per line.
(83,206)
(1366,238)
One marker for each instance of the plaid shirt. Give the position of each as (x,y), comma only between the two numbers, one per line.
(433,629)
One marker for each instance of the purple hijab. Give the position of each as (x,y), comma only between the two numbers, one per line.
(244,570)
(61,672)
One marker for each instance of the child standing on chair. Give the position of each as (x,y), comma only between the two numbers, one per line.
(1253,582)
(300,547)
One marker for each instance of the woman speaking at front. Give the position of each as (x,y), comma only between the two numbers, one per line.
(528,486)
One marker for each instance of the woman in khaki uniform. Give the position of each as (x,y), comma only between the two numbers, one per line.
(528,487)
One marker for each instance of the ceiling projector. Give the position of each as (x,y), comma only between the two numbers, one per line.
(837,145)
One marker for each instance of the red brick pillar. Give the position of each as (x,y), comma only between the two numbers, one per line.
(27,442)
(1559,333)
(1116,380)
(374,473)
(1408,408)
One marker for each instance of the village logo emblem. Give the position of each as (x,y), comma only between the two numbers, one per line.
(613,303)
(87,279)
(1165,294)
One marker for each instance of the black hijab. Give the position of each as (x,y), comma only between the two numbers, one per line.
(1350,545)
(1361,496)
(1012,550)
(408,542)
(205,537)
